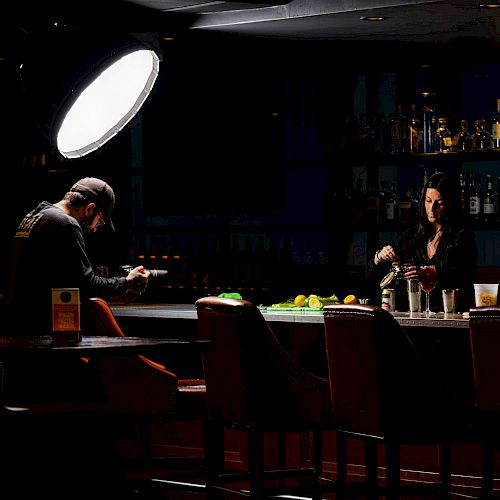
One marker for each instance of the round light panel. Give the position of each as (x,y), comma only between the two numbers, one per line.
(108,103)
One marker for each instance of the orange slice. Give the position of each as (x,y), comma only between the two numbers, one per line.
(351,299)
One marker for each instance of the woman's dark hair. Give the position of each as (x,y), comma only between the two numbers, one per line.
(449,190)
(452,222)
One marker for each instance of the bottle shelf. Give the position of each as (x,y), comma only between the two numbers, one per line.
(425,158)
(381,227)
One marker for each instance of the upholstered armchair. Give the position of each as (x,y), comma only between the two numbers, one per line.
(383,392)
(255,387)
(139,388)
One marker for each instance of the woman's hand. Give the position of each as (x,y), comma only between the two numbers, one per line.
(411,272)
(385,253)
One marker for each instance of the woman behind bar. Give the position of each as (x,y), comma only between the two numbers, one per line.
(440,238)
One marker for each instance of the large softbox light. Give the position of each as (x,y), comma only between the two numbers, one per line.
(82,89)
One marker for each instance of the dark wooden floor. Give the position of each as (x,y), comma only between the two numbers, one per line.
(170,495)
(140,487)
(156,490)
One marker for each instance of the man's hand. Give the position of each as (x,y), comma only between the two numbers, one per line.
(137,279)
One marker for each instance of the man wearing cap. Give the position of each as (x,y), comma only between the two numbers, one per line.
(49,252)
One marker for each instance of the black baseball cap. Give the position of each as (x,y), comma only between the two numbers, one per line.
(99,192)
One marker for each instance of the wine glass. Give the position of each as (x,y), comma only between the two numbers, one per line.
(427,279)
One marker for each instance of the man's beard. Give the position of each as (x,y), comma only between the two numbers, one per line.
(85,225)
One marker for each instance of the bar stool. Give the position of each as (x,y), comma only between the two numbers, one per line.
(383,393)
(139,389)
(257,389)
(484,330)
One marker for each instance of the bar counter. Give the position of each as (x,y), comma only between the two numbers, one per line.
(188,311)
(441,340)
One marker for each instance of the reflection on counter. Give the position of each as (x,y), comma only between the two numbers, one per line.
(300,315)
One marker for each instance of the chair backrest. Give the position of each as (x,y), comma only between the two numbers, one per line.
(250,378)
(103,319)
(131,384)
(375,371)
(484,331)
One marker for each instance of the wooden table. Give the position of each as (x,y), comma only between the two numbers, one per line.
(61,448)
(95,345)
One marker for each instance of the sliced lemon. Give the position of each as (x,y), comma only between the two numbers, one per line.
(314,302)
(351,299)
(300,300)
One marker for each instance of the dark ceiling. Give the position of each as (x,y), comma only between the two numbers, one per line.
(339,21)
(317,21)
(413,20)
(342,22)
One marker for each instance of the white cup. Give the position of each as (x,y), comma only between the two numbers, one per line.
(450,300)
(414,296)
(486,294)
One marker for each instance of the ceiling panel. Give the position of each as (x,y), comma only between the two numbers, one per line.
(340,19)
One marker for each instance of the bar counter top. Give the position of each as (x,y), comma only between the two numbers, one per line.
(188,311)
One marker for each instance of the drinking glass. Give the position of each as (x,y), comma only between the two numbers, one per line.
(427,278)
(414,294)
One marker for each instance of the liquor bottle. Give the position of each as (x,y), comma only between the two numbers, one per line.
(481,138)
(489,204)
(379,143)
(214,263)
(359,202)
(373,204)
(475,198)
(393,134)
(427,136)
(413,132)
(164,261)
(498,200)
(442,137)
(366,134)
(408,208)
(203,264)
(151,258)
(428,128)
(392,204)
(140,252)
(397,131)
(426,177)
(462,141)
(495,127)
(176,262)
(190,264)
(464,194)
